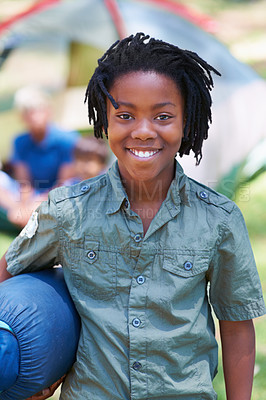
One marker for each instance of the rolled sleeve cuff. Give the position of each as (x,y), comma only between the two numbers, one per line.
(241,312)
(15,269)
(13,266)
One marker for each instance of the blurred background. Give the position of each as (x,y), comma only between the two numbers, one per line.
(55,44)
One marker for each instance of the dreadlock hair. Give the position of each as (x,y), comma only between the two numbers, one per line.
(139,52)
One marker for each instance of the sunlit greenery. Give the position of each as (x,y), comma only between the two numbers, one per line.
(252,201)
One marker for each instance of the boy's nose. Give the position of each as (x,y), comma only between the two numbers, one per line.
(144,130)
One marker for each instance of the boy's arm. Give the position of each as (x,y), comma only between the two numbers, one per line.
(238,349)
(4,275)
(45,394)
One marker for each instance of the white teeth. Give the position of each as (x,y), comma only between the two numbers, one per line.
(143,154)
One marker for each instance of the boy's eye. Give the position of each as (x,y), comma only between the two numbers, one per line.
(163,117)
(125,116)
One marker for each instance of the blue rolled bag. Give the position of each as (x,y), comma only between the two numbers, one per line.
(39,333)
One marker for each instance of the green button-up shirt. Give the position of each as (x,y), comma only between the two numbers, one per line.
(147,328)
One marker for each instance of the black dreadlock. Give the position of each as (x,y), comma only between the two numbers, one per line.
(191,74)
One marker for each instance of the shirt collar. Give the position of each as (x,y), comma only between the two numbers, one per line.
(116,190)
(180,186)
(177,193)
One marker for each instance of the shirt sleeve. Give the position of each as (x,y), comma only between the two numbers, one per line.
(235,288)
(37,246)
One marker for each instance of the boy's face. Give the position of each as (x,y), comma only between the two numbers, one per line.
(146,130)
(88,166)
(36,120)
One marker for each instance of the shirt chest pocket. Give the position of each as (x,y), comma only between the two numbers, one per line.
(186,264)
(183,276)
(94,272)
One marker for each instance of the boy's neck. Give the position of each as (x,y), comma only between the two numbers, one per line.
(146,198)
(143,192)
(147,192)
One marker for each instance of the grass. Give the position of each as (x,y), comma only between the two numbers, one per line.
(5,241)
(252,203)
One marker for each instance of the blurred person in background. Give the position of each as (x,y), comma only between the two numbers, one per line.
(90,159)
(15,209)
(42,156)
(41,159)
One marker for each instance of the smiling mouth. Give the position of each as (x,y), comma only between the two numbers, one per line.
(144,154)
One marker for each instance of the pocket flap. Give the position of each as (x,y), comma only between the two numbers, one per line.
(186,263)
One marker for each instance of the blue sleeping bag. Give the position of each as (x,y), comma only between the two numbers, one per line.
(39,333)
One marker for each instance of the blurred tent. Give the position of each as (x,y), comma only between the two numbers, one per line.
(239,118)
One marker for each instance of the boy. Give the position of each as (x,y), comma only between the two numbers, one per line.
(90,157)
(144,248)
(41,156)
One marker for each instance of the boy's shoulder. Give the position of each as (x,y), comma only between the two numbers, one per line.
(88,186)
(210,197)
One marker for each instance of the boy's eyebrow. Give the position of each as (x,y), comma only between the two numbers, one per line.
(167,103)
(124,103)
(158,105)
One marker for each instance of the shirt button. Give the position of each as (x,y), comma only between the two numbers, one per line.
(84,188)
(136,366)
(203,195)
(91,255)
(126,204)
(137,238)
(188,265)
(140,280)
(136,322)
